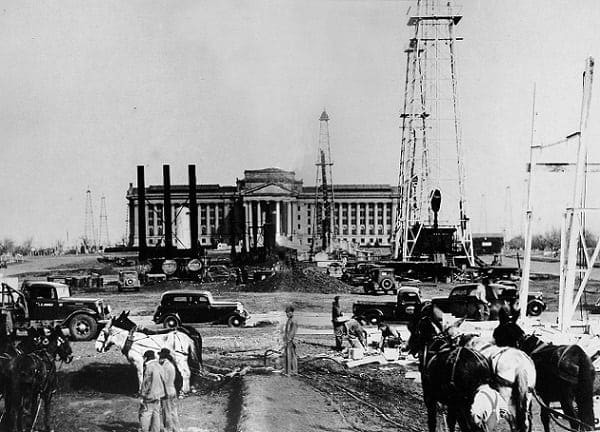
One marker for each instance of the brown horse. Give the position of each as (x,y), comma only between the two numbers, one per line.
(565,373)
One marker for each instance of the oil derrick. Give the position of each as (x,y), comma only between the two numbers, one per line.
(103,239)
(322,221)
(89,233)
(431,218)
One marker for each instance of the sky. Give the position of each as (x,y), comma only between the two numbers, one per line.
(92,89)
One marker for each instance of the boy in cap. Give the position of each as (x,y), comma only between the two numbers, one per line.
(152,391)
(169,402)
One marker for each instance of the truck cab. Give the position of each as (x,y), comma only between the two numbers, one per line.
(50,302)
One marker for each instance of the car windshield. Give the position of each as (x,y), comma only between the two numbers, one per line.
(62,291)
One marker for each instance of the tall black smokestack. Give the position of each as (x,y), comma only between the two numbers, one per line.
(193,209)
(141,190)
(167,207)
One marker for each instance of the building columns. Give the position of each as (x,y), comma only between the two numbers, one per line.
(277,219)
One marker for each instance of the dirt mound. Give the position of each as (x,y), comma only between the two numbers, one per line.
(305,280)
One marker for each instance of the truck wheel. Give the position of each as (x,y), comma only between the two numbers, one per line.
(534,308)
(171,321)
(386,284)
(235,321)
(83,327)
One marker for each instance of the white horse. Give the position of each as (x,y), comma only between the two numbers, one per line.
(515,376)
(133,344)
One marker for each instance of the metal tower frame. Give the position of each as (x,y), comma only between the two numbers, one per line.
(431,149)
(103,238)
(322,226)
(89,232)
(575,271)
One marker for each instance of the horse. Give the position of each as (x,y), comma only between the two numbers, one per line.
(185,345)
(565,373)
(451,375)
(32,379)
(514,377)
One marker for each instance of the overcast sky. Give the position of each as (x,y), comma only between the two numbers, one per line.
(92,89)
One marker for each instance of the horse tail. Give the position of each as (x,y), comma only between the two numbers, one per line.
(584,393)
(520,398)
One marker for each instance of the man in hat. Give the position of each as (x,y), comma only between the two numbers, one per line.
(152,391)
(338,324)
(168,403)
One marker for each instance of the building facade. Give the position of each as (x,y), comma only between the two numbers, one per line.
(269,204)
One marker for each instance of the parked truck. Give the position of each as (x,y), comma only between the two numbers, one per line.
(407,302)
(41,303)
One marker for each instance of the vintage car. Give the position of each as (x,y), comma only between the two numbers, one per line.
(381,279)
(179,307)
(357,274)
(128,280)
(463,301)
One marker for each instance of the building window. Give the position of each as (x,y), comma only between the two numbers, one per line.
(203,230)
(150,231)
(160,230)
(298,208)
(299,227)
(308,230)
(299,218)
(362,240)
(150,241)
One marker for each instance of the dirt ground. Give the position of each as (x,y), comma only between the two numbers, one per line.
(97,392)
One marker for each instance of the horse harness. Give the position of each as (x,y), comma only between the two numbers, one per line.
(131,339)
(48,361)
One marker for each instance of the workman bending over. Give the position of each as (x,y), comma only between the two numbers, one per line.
(357,336)
(390,337)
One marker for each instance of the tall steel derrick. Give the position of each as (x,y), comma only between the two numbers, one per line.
(322,225)
(431,159)
(89,232)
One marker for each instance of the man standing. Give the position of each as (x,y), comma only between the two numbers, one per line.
(357,336)
(338,325)
(152,391)
(289,346)
(168,403)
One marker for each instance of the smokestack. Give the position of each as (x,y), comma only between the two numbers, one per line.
(141,189)
(167,207)
(193,210)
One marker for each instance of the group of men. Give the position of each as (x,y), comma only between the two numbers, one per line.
(353,330)
(158,409)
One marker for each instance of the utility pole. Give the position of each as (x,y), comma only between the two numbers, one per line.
(324,197)
(431,154)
